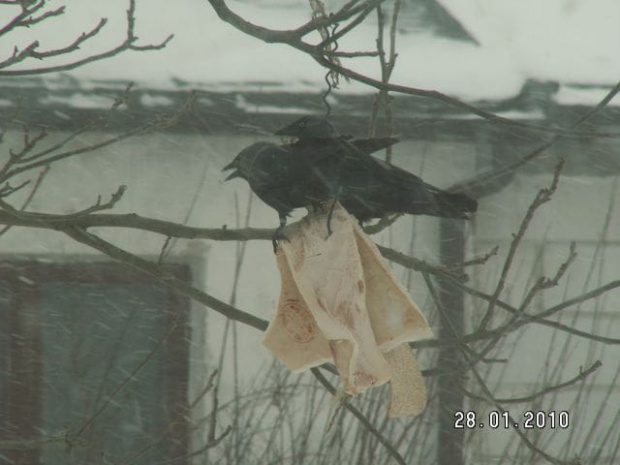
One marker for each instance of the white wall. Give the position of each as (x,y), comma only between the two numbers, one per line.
(164,171)
(585,210)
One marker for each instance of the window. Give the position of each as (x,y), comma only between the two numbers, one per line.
(93,359)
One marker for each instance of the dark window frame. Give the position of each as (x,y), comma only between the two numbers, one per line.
(24,408)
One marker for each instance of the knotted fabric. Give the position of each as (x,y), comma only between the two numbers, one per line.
(341,303)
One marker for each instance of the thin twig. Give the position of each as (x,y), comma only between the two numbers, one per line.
(362,419)
(167,228)
(478,184)
(527,318)
(583,374)
(156,124)
(31,194)
(72,47)
(479,260)
(30,52)
(488,397)
(163,276)
(544,195)
(19,19)
(293,38)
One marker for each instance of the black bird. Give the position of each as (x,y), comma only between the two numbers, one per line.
(323,165)
(297,175)
(369,187)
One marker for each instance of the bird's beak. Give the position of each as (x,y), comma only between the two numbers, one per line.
(232,166)
(234,174)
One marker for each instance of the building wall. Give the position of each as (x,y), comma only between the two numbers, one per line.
(169,174)
(584,210)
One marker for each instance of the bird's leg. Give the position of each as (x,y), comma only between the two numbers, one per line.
(331,213)
(277,235)
(329,218)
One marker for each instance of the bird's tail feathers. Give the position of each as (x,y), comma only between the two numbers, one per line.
(374,145)
(447,205)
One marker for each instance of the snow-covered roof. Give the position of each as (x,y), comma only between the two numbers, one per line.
(565,41)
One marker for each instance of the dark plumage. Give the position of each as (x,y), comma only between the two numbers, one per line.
(369,187)
(322,165)
(297,175)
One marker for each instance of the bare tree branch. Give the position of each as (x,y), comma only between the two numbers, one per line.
(169,229)
(31,51)
(293,39)
(33,444)
(18,20)
(29,144)
(33,191)
(543,196)
(479,185)
(30,21)
(362,418)
(488,397)
(75,45)
(470,361)
(583,374)
(527,318)
(38,160)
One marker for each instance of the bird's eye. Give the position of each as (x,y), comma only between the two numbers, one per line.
(302,124)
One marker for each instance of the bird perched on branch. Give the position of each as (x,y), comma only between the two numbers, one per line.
(322,165)
(370,187)
(302,174)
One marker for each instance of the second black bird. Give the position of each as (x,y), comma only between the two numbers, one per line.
(302,174)
(370,187)
(322,165)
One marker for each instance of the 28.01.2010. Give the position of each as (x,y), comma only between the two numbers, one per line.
(528,420)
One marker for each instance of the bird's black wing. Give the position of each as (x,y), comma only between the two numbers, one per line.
(374,144)
(372,188)
(340,167)
(421,198)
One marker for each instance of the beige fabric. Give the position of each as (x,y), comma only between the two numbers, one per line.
(406,381)
(340,302)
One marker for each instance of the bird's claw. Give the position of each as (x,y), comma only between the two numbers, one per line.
(329,229)
(278,235)
(329,218)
